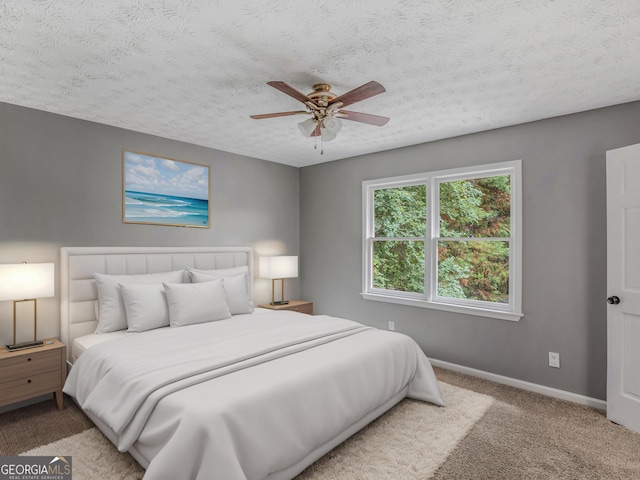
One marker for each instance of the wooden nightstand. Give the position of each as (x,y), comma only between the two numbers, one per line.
(293,305)
(31,372)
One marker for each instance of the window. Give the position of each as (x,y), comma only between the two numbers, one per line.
(448,240)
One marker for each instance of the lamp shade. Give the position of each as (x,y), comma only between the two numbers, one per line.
(307,127)
(327,135)
(332,124)
(330,128)
(279,267)
(24,281)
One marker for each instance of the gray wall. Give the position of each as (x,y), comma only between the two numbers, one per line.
(61,185)
(564,247)
(61,181)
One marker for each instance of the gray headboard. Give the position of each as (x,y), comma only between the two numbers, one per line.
(78,291)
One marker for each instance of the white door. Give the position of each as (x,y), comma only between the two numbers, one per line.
(623,286)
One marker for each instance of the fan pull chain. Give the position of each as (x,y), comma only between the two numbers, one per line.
(315,145)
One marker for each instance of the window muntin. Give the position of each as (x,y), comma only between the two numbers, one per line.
(468,223)
(400,226)
(473,237)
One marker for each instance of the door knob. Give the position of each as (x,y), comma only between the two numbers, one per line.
(613,300)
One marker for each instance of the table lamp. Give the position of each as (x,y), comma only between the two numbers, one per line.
(26,282)
(278,268)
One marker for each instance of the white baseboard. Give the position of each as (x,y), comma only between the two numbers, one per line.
(532,387)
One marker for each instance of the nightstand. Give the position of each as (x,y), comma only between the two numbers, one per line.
(28,373)
(301,306)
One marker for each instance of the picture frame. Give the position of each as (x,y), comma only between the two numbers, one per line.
(165,191)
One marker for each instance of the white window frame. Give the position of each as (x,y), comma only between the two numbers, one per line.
(429,299)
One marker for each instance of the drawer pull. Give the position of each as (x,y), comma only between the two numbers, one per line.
(28,359)
(29,381)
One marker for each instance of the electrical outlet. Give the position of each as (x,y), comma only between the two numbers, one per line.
(392,326)
(554,359)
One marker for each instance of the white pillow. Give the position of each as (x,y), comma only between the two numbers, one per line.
(191,303)
(222,272)
(112,316)
(145,306)
(235,289)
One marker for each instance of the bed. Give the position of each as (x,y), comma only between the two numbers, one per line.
(255,394)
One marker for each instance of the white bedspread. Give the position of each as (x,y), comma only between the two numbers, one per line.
(247,397)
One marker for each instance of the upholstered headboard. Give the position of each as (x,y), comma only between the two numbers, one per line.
(78,291)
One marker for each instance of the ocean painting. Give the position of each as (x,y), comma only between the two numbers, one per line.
(164,191)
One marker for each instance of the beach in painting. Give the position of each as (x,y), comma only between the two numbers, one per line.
(165,209)
(163,191)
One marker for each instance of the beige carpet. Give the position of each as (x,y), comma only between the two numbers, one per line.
(528,436)
(523,436)
(93,457)
(409,442)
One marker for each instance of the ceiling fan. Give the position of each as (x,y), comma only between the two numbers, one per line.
(326,108)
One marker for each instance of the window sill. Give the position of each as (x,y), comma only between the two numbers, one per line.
(480,312)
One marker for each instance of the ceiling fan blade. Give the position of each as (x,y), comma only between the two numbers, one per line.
(358,94)
(363,117)
(292,92)
(316,132)
(279,114)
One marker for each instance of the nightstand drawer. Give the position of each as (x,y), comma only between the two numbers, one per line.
(31,363)
(30,386)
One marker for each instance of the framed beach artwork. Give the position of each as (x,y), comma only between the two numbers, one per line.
(164,191)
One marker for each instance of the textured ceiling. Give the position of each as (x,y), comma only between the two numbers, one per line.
(194,70)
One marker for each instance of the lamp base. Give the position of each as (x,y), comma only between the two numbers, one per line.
(280,302)
(23,346)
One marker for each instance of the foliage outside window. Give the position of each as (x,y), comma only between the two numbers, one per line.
(448,240)
(400,218)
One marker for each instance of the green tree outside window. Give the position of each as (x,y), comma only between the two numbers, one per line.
(473,243)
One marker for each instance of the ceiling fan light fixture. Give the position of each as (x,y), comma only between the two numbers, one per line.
(325,106)
(326,135)
(307,127)
(332,125)
(329,128)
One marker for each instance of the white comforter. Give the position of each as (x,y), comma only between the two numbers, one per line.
(247,398)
